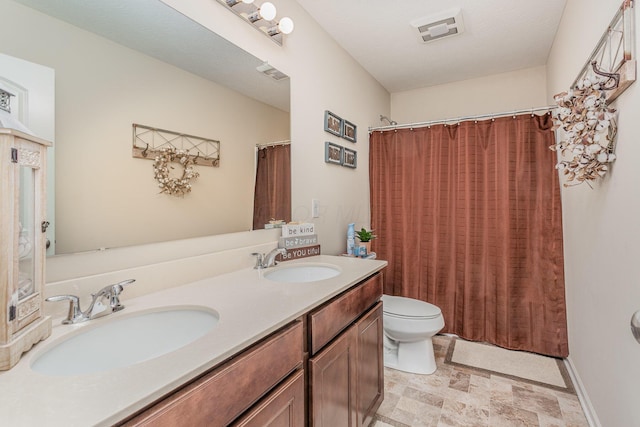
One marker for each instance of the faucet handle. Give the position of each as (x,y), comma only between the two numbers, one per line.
(74,314)
(116,290)
(259,260)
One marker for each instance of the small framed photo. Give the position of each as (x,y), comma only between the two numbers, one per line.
(333,153)
(349,131)
(332,123)
(349,158)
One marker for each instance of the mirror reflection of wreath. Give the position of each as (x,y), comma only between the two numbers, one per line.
(162,172)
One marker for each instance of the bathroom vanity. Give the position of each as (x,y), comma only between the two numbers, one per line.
(282,354)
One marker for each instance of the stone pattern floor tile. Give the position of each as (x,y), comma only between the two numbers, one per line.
(461,397)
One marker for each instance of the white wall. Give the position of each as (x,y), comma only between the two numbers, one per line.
(107,198)
(323,77)
(516,90)
(601,237)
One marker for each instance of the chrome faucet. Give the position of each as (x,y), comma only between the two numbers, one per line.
(110,293)
(268,260)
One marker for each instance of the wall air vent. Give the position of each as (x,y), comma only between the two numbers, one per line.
(439,26)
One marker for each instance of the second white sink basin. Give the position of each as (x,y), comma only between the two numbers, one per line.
(125,341)
(301,273)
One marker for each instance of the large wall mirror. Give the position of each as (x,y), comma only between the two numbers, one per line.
(120,62)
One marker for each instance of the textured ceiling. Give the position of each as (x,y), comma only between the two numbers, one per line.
(499,36)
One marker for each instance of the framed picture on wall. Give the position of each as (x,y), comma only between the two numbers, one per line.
(348,131)
(332,123)
(333,153)
(349,158)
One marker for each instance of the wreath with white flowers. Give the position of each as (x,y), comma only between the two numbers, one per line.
(589,127)
(162,171)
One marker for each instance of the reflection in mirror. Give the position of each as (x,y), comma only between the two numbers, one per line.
(272,198)
(26,234)
(117,63)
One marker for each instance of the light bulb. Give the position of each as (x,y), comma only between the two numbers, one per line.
(285,25)
(267,11)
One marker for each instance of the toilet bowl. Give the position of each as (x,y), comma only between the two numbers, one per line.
(409,325)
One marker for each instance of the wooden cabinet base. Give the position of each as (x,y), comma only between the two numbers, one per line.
(346,378)
(31,335)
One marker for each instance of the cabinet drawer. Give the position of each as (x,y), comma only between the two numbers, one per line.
(327,321)
(283,407)
(222,395)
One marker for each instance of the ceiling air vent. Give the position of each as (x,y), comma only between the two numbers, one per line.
(272,72)
(439,26)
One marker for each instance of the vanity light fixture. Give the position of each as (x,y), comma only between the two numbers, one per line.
(285,26)
(262,17)
(266,11)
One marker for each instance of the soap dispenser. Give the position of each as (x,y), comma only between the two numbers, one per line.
(351,239)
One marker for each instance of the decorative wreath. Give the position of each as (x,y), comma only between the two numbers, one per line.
(589,127)
(162,168)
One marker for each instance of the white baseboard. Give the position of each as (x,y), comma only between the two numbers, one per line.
(583,397)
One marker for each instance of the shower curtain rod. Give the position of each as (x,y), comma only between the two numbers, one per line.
(271,144)
(463,118)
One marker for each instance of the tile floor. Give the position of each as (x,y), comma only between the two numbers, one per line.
(455,396)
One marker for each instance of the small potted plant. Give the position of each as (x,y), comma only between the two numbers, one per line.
(365,236)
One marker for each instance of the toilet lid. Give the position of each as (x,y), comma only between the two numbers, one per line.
(409,307)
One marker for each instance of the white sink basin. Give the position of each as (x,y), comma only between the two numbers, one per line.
(125,341)
(301,273)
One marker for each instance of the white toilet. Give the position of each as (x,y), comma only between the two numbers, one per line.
(409,325)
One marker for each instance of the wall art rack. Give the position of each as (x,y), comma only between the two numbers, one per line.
(148,141)
(614,56)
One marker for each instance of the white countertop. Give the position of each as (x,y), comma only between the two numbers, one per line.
(250,308)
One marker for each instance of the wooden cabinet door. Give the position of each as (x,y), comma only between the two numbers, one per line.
(332,381)
(283,407)
(370,370)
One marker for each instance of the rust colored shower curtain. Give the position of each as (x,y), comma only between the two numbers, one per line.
(469,218)
(272,195)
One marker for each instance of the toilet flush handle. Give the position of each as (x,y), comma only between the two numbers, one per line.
(635,325)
